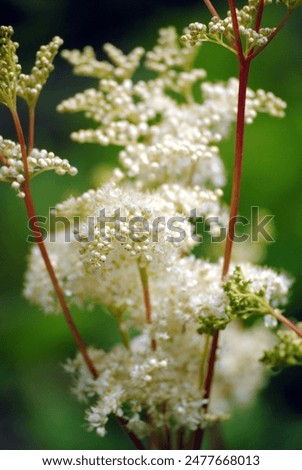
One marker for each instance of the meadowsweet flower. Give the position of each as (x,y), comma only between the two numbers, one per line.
(286,352)
(122,66)
(12,170)
(168,54)
(140,226)
(154,390)
(9,67)
(221,30)
(238,296)
(154,127)
(128,245)
(189,160)
(29,86)
(13,83)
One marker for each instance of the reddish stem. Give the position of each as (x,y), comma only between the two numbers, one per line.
(208,382)
(244,66)
(243,80)
(274,33)
(214,12)
(180,439)
(138,444)
(31,129)
(287,322)
(236,30)
(4,160)
(211,8)
(39,240)
(207,387)
(259,16)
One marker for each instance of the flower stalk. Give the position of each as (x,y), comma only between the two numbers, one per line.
(31,129)
(147,300)
(29,204)
(244,68)
(159,390)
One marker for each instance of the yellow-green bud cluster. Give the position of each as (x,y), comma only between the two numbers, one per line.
(287,352)
(210,324)
(29,86)
(9,67)
(242,301)
(13,83)
(221,31)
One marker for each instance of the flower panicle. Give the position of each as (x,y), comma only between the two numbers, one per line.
(10,69)
(221,31)
(286,352)
(12,169)
(13,83)
(29,86)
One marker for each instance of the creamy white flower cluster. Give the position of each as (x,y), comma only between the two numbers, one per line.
(153,391)
(122,66)
(256,101)
(12,171)
(183,289)
(174,138)
(146,227)
(174,64)
(166,384)
(182,147)
(167,53)
(182,157)
(118,108)
(125,245)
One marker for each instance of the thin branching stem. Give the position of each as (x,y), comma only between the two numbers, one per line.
(136,442)
(147,300)
(211,8)
(40,242)
(243,80)
(244,67)
(278,315)
(287,322)
(236,30)
(237,172)
(198,437)
(259,16)
(3,160)
(180,439)
(31,129)
(274,33)
(214,12)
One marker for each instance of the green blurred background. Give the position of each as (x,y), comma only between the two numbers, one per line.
(37,409)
